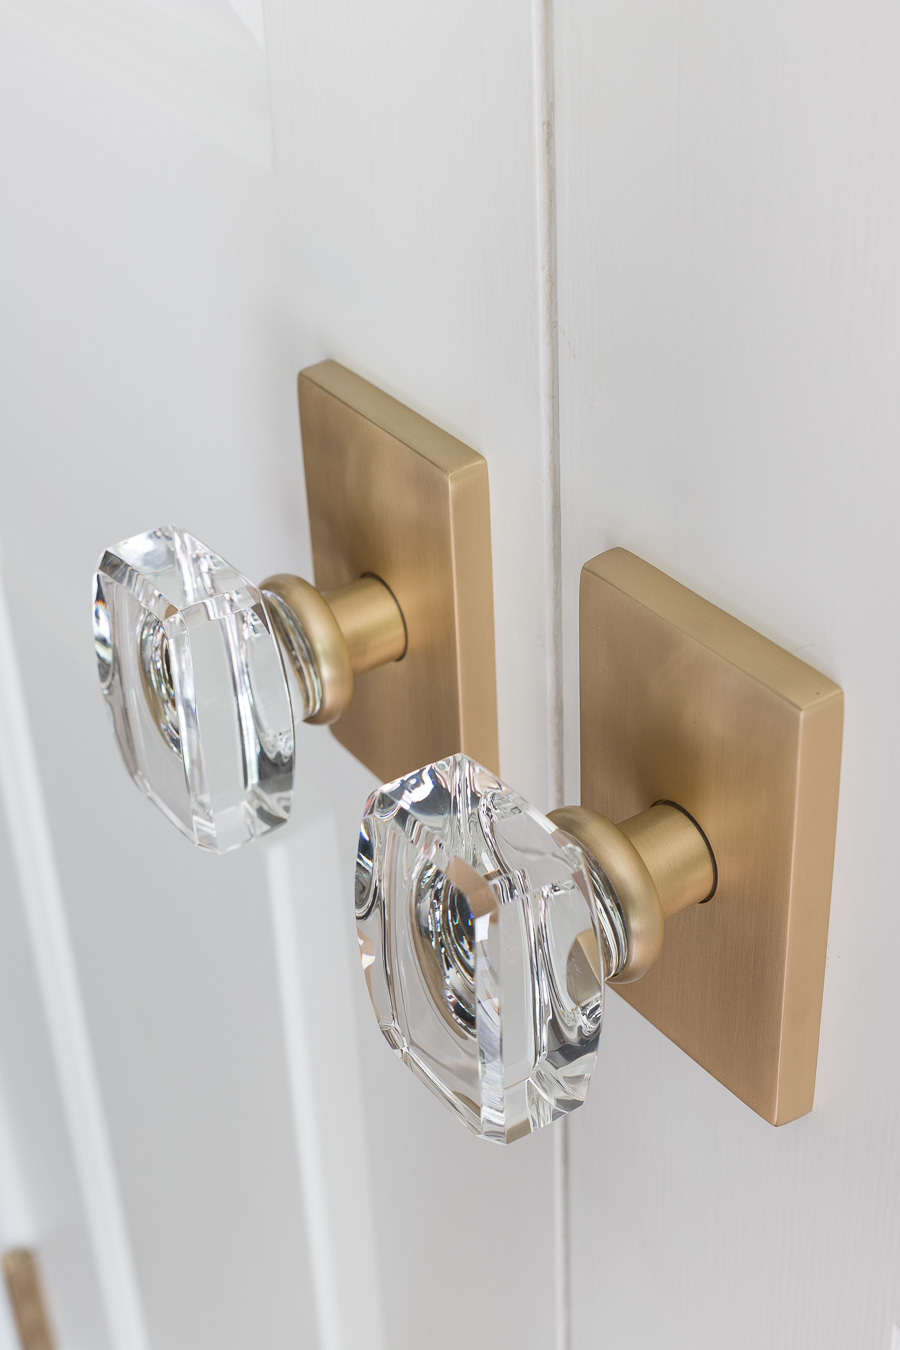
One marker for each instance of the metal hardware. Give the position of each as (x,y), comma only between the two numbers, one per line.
(487,932)
(682,702)
(371,621)
(26,1296)
(396,647)
(348,631)
(392,495)
(659,863)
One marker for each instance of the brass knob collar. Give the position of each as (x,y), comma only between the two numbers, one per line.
(657,863)
(635,892)
(328,638)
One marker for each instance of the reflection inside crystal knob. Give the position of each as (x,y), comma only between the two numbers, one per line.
(444,927)
(486,934)
(159,684)
(194,681)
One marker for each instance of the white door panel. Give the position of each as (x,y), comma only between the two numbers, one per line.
(200,61)
(282,1182)
(143,268)
(407,144)
(728,299)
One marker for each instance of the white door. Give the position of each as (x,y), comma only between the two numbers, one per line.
(642,257)
(728,226)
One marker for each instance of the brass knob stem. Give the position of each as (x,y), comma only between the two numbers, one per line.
(658,862)
(331,637)
(371,621)
(676,853)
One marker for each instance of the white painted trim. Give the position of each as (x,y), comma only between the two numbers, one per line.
(212,76)
(325,1083)
(31,842)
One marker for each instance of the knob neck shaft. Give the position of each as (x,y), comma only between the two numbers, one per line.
(329,638)
(371,621)
(658,863)
(676,853)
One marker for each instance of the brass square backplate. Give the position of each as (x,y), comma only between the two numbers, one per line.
(391,494)
(682,702)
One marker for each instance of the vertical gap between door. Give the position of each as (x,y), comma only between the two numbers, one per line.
(546,168)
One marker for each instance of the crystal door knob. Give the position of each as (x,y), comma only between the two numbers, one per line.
(194,661)
(488,932)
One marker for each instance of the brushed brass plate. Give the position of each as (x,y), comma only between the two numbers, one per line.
(389,493)
(682,702)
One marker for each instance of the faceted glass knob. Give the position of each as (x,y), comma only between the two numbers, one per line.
(194,680)
(486,935)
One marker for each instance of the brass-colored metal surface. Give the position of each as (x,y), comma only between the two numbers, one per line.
(658,863)
(355,628)
(682,702)
(675,854)
(325,639)
(371,622)
(632,882)
(392,495)
(26,1296)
